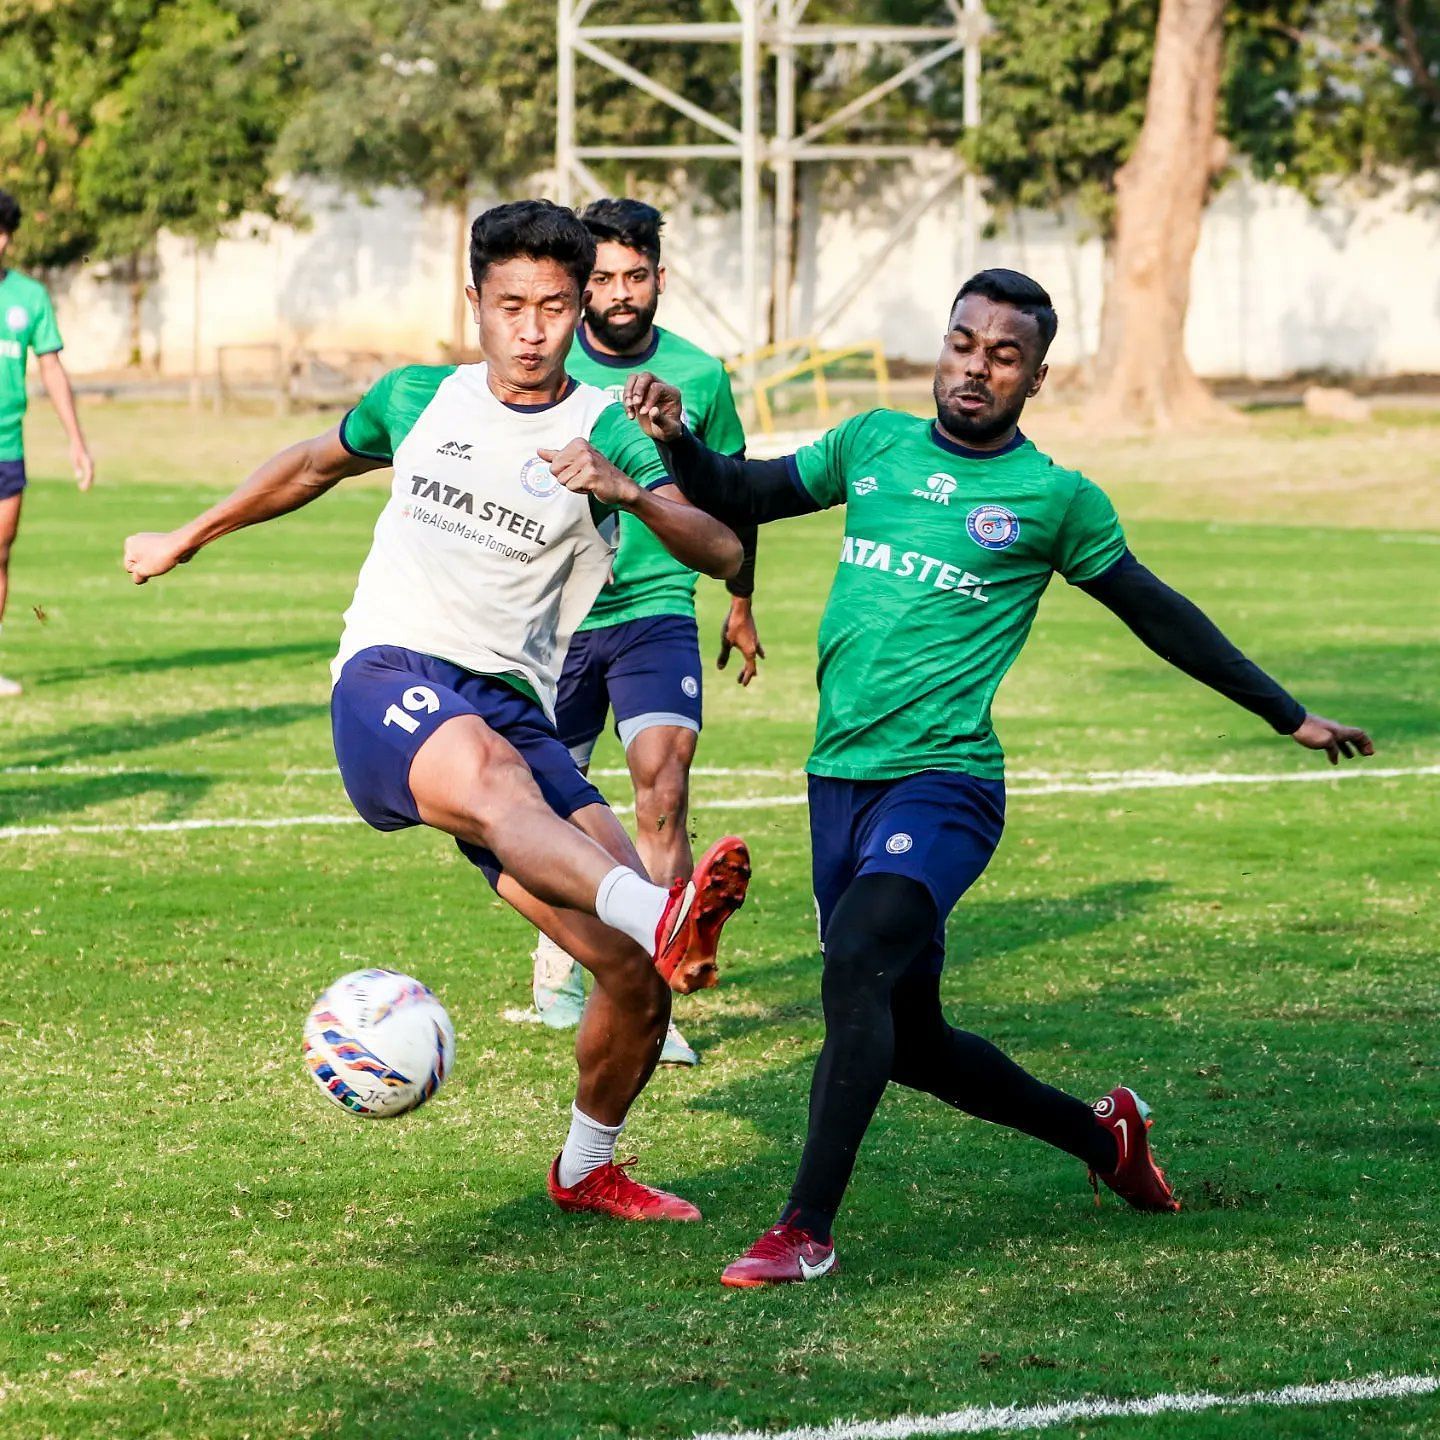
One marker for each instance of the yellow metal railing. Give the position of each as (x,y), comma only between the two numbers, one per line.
(812,362)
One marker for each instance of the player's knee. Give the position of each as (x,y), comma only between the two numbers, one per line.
(6,545)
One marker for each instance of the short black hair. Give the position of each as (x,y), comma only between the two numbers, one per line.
(628,222)
(1010,287)
(9,213)
(536,229)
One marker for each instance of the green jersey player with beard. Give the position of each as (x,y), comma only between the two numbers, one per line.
(955,524)
(636,656)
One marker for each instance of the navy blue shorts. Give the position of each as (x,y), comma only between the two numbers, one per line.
(389,701)
(938,827)
(12,478)
(646,671)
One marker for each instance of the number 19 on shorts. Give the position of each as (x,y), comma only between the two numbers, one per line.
(417,700)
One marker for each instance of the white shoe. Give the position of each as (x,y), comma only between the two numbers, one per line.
(10,688)
(557,985)
(676,1050)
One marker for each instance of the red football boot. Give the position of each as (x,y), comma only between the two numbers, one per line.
(783,1255)
(688,934)
(610,1191)
(1136,1179)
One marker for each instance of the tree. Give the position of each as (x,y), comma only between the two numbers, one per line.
(39,143)
(1305,92)
(183,143)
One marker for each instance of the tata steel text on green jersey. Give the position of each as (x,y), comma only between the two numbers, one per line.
(27,322)
(942,566)
(648,579)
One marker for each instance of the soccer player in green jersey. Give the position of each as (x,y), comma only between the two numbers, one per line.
(27,322)
(637,654)
(954,527)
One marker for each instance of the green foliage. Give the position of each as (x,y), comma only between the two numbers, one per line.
(183,143)
(38,147)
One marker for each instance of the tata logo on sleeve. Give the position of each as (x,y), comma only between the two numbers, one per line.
(993,527)
(938,488)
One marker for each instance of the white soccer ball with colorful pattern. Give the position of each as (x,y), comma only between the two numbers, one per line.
(378,1043)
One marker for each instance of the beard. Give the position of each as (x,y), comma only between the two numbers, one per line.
(625,331)
(975,427)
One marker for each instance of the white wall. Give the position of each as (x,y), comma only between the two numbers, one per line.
(1279,286)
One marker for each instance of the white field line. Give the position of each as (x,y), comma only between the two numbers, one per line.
(996,1419)
(1109,782)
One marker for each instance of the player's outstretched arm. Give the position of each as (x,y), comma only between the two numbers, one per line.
(1178,631)
(57,386)
(696,539)
(285,482)
(739,492)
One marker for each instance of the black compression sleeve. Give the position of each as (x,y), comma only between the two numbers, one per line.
(739,492)
(742,582)
(1178,631)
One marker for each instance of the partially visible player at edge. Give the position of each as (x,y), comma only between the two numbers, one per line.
(497,536)
(952,532)
(27,322)
(637,654)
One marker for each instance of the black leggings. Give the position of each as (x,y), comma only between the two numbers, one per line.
(882,1024)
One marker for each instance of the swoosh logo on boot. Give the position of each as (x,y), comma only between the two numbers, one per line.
(814,1272)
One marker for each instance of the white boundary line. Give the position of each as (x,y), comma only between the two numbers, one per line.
(1105,782)
(993,1419)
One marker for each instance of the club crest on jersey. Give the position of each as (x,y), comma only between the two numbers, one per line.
(899,843)
(538,479)
(17,317)
(993,526)
(938,488)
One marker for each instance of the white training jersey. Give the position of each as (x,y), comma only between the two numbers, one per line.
(481,557)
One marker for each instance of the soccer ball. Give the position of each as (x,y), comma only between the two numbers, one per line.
(378,1043)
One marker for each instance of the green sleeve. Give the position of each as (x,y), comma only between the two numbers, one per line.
(721,428)
(389,409)
(45,336)
(627,447)
(1089,540)
(822,465)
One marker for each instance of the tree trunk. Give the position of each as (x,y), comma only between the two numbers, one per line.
(1144,378)
(460,315)
(136,287)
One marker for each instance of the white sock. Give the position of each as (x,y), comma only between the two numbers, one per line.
(588,1146)
(629,903)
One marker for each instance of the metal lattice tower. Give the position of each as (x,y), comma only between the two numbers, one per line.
(769,31)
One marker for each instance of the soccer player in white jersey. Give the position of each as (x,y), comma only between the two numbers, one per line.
(497,537)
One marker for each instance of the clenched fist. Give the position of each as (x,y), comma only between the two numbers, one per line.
(582,468)
(151,553)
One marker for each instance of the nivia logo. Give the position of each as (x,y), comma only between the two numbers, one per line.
(939,488)
(866,485)
(455,448)
(691,686)
(899,843)
(538,479)
(993,526)
(17,317)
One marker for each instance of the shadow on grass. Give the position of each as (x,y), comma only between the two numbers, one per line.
(97,742)
(189,660)
(35,804)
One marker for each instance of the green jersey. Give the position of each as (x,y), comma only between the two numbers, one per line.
(27,322)
(943,563)
(648,579)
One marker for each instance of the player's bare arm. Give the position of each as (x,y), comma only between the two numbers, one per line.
(1179,632)
(689,534)
(285,482)
(57,387)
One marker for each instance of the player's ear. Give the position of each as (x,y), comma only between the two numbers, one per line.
(1038,381)
(473,296)
(659,279)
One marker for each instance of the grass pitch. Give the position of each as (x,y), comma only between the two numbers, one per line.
(193,1243)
